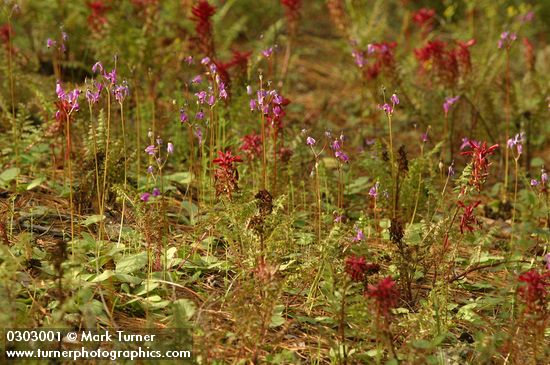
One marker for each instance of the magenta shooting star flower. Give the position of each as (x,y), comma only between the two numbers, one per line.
(517,141)
(93,97)
(425,137)
(205,61)
(156,192)
(150,169)
(189,60)
(310,141)
(451,170)
(201,96)
(97,67)
(223,92)
(534,182)
(387,108)
(198,134)
(170,148)
(196,80)
(373,192)
(145,196)
(394,99)
(121,91)
(506,39)
(151,150)
(358,58)
(359,236)
(336,146)
(110,76)
(183,116)
(50,43)
(449,101)
(267,52)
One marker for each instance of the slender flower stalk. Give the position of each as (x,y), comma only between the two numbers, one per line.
(516,142)
(388,110)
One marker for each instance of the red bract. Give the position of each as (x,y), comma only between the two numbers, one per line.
(384,60)
(202,12)
(385,295)
(292,14)
(97,18)
(6,32)
(534,293)
(226,160)
(480,163)
(226,176)
(252,145)
(239,59)
(468,219)
(529,54)
(447,64)
(356,267)
(424,18)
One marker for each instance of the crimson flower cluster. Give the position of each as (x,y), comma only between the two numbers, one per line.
(534,293)
(384,294)
(468,219)
(6,33)
(292,8)
(480,153)
(202,12)
(226,175)
(252,146)
(446,63)
(378,58)
(96,19)
(424,18)
(358,268)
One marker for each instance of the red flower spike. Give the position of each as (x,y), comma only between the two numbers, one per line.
(534,293)
(252,145)
(480,163)
(226,160)
(385,295)
(468,219)
(202,12)
(424,18)
(356,266)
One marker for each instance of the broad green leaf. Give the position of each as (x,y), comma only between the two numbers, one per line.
(9,174)
(132,263)
(96,218)
(36,182)
(184,307)
(103,276)
(277,318)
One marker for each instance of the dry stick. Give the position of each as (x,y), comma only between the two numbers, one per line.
(481,267)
